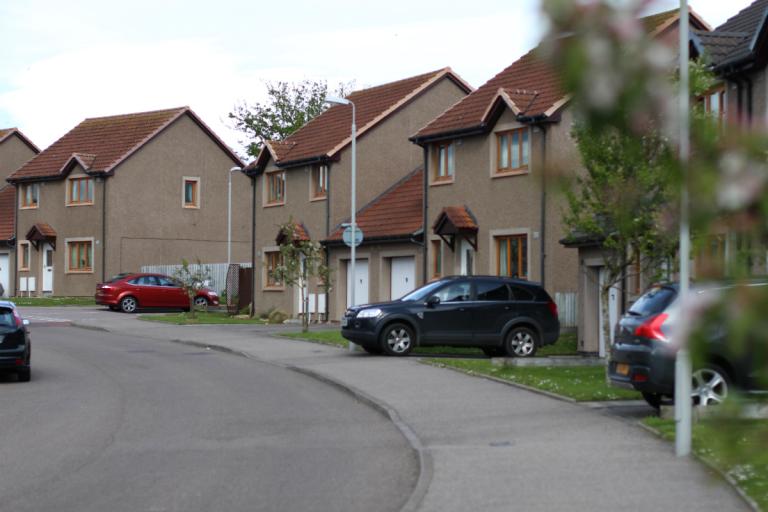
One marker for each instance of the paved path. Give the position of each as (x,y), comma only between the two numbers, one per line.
(486,446)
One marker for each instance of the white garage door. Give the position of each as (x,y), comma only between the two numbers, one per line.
(403,278)
(5,273)
(361,283)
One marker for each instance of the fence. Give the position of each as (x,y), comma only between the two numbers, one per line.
(567,309)
(216,271)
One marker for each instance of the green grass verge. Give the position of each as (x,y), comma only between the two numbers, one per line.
(53,301)
(566,345)
(582,383)
(736,447)
(207,317)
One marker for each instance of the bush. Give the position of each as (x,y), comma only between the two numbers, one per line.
(264,315)
(277,317)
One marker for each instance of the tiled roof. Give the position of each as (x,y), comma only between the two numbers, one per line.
(395,213)
(329,132)
(100,144)
(458,217)
(7,211)
(746,20)
(300,234)
(529,86)
(6,133)
(721,46)
(44,229)
(732,41)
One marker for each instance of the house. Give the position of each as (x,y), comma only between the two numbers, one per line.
(15,150)
(119,192)
(490,208)
(306,179)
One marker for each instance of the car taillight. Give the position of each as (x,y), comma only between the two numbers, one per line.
(651,328)
(19,321)
(552,305)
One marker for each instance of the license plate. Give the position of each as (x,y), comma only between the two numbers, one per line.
(622,369)
(344,322)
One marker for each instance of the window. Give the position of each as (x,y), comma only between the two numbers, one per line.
(319,181)
(144,281)
(714,103)
(80,256)
(512,256)
(437,258)
(456,292)
(272,261)
(79,191)
(29,195)
(191,192)
(443,161)
(492,291)
(24,255)
(276,188)
(513,150)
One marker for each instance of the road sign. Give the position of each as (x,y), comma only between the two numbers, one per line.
(347,236)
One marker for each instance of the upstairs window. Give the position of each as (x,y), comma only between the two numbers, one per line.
(319,181)
(29,195)
(512,256)
(443,161)
(275,188)
(191,192)
(80,191)
(513,151)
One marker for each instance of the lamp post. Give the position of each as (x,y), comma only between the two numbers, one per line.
(229,227)
(353,256)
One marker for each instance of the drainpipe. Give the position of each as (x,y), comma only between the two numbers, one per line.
(543,227)
(253,246)
(15,251)
(749,101)
(328,189)
(425,207)
(104,229)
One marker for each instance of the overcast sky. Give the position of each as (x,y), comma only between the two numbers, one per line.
(63,61)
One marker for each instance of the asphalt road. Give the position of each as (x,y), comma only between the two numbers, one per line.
(118,423)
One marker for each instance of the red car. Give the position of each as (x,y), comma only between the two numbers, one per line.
(129,292)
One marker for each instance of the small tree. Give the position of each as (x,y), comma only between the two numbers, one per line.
(300,261)
(288,107)
(192,278)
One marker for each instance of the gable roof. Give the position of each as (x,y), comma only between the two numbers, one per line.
(395,214)
(327,134)
(7,212)
(530,87)
(7,133)
(736,41)
(101,144)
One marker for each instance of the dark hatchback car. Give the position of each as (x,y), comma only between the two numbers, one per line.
(15,347)
(643,358)
(502,316)
(130,292)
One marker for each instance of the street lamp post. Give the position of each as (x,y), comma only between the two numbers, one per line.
(353,255)
(229,227)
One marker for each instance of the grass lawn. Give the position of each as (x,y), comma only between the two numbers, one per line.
(53,301)
(202,317)
(736,447)
(582,383)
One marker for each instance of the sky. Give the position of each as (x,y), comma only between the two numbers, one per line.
(62,62)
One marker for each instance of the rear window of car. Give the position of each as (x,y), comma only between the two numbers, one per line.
(654,301)
(117,278)
(6,318)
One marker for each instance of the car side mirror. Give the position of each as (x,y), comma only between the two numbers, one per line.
(25,322)
(433,301)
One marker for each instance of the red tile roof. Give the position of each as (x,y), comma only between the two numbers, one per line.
(328,133)
(6,133)
(528,87)
(7,211)
(395,213)
(458,217)
(44,229)
(101,144)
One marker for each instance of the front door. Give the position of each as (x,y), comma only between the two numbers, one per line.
(5,274)
(403,278)
(451,320)
(467,258)
(47,268)
(360,284)
(613,313)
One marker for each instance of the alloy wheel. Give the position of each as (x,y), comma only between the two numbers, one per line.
(201,303)
(398,340)
(710,387)
(128,305)
(523,343)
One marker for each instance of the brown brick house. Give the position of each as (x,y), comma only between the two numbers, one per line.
(306,177)
(15,150)
(119,192)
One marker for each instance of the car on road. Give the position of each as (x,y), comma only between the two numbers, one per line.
(130,292)
(15,347)
(643,357)
(501,316)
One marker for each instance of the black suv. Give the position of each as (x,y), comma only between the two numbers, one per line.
(502,316)
(15,350)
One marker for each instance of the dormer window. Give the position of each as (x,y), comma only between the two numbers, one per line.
(29,195)
(513,151)
(80,191)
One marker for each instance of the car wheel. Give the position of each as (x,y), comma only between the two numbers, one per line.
(521,342)
(24,375)
(710,386)
(397,340)
(201,303)
(493,351)
(656,400)
(129,305)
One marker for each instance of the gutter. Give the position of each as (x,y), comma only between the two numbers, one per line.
(463,132)
(324,159)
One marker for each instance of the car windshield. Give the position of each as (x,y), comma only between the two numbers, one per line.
(654,301)
(423,292)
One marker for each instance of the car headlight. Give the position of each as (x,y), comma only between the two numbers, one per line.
(369,313)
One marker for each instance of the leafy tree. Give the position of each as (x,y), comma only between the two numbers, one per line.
(192,278)
(288,107)
(300,261)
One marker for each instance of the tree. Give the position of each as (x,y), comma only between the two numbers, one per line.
(300,261)
(288,107)
(192,278)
